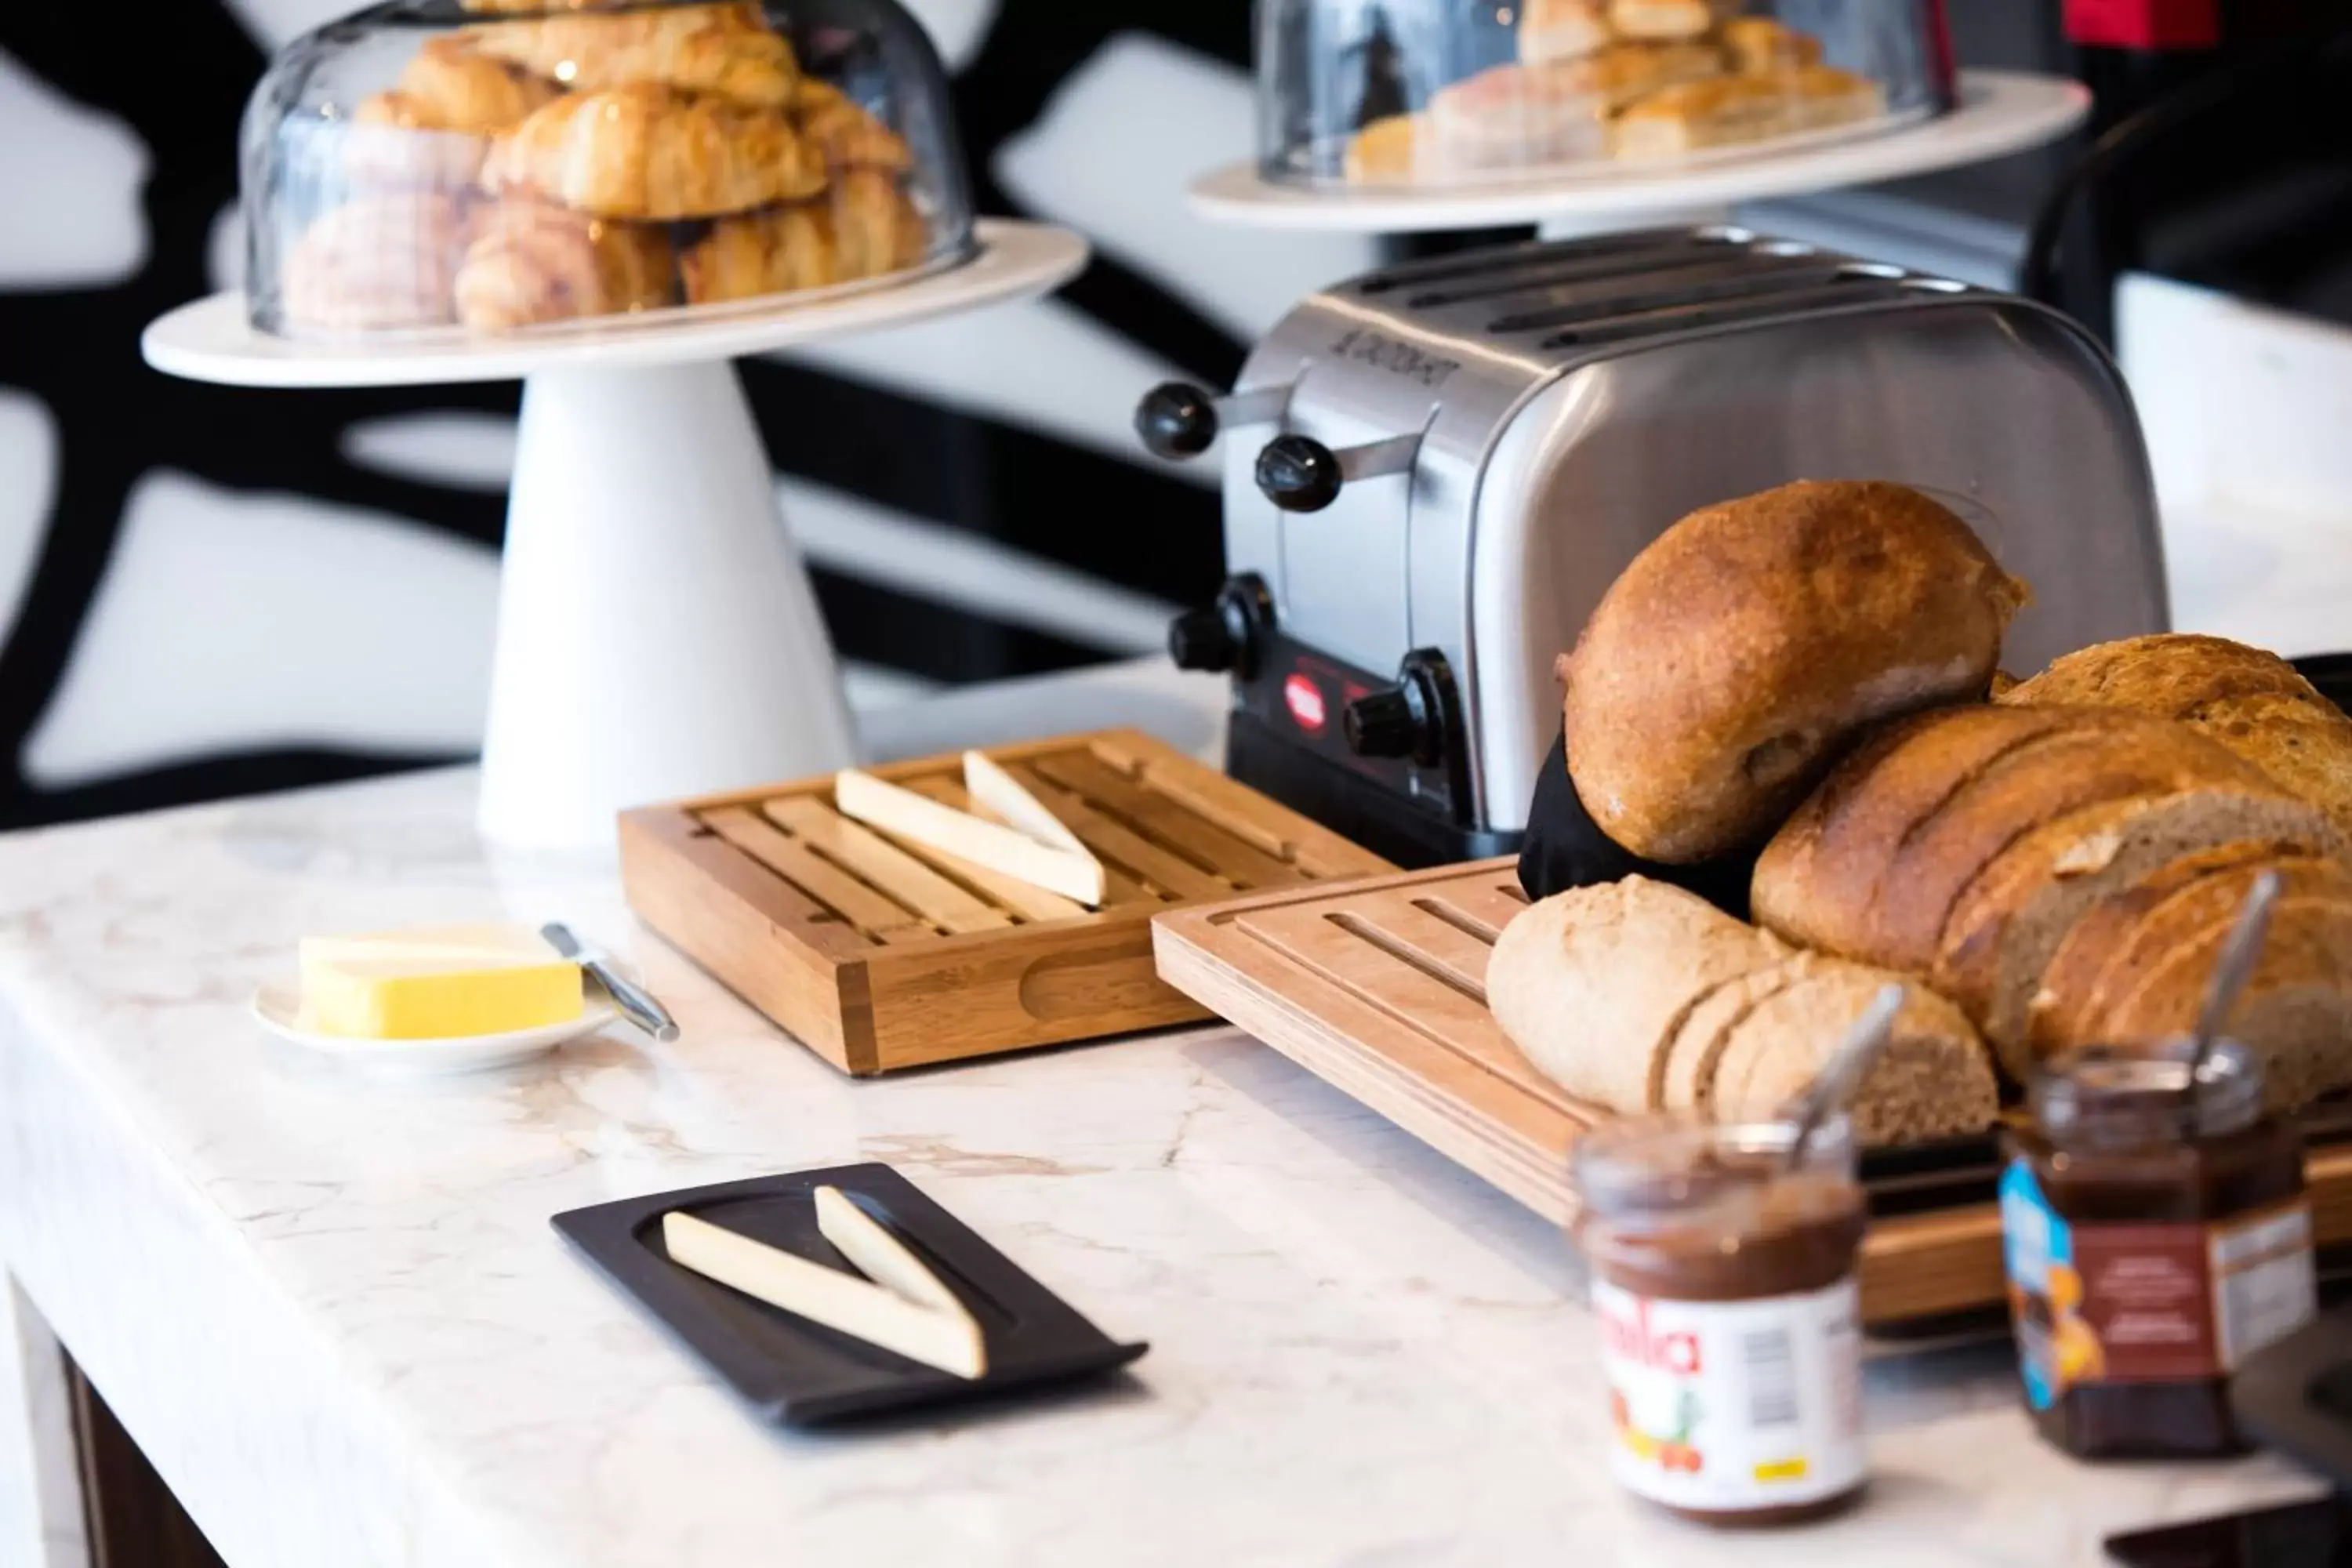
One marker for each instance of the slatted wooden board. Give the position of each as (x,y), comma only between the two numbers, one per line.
(1379,986)
(881,954)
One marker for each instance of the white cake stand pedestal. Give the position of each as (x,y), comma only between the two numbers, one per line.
(657,636)
(1999,112)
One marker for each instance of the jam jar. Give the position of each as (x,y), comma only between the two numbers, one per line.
(1723,1287)
(2155,1234)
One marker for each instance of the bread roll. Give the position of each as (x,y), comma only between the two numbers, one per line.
(844,132)
(646,153)
(375,264)
(862,228)
(1932,1080)
(1732,662)
(530,263)
(2253,702)
(1592,984)
(727,50)
(1561,29)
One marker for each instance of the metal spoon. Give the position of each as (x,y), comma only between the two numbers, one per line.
(1836,1083)
(2233,968)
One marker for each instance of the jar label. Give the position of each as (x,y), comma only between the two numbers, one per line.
(2164,1302)
(1721,1406)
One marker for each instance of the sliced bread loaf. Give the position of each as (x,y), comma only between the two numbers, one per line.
(2295,1012)
(1592,983)
(1740,653)
(1934,1079)
(2070,980)
(2246,699)
(2007,926)
(1818,877)
(1686,1067)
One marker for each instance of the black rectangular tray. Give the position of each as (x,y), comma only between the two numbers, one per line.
(799,1374)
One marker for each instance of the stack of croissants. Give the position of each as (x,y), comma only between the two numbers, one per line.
(542,168)
(1810,678)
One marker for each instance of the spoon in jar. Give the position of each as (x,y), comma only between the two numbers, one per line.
(1835,1084)
(2240,953)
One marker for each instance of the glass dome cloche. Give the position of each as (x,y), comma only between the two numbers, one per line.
(430,168)
(1406,93)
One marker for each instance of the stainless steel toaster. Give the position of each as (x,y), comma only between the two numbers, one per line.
(1434,470)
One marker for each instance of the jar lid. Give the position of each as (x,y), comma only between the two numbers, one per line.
(2155,1091)
(1661,1168)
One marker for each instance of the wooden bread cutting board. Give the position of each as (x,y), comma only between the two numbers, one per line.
(1378,986)
(881,954)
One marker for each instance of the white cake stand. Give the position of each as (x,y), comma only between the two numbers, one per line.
(1999,112)
(657,636)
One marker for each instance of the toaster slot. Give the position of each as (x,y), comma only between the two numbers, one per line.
(1625,293)
(1846,290)
(1537,256)
(1555,275)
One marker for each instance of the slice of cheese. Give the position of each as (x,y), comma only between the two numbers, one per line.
(436,982)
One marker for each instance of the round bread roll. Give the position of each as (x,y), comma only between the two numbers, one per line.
(1735,659)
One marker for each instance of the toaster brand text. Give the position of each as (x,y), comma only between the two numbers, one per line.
(1387,353)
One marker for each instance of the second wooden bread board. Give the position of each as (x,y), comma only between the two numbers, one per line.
(1378,987)
(880,954)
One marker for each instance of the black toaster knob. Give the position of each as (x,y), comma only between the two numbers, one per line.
(1298,474)
(1177,420)
(1397,722)
(1200,640)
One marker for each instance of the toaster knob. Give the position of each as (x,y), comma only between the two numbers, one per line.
(1397,722)
(1200,640)
(1177,420)
(1298,474)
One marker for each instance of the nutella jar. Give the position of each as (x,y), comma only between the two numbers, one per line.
(2155,1234)
(1723,1281)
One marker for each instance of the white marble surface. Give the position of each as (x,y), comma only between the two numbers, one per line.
(334,1314)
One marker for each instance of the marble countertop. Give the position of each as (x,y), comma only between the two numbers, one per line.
(333,1311)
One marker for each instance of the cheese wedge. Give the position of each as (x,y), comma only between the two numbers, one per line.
(436,982)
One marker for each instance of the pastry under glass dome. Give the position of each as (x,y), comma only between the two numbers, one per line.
(1417,93)
(426,167)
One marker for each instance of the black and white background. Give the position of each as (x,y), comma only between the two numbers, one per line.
(207,590)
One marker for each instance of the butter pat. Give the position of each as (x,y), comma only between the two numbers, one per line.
(436,982)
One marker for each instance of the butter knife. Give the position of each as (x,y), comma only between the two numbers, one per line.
(634,1000)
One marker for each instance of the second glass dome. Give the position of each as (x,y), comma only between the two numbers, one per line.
(428,167)
(1405,94)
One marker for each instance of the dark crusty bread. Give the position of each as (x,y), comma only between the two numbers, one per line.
(2007,928)
(2071,986)
(2295,1012)
(1592,983)
(2250,701)
(1891,907)
(1816,881)
(1740,653)
(1934,1079)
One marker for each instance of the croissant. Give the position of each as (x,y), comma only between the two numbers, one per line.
(863,227)
(726,50)
(649,153)
(374,263)
(846,133)
(530,263)
(449,87)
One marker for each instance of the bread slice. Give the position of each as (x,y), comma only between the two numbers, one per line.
(2295,1012)
(1685,1078)
(2207,905)
(1933,1080)
(2008,925)
(2246,699)
(1592,983)
(2102,757)
(1744,650)
(2072,984)
(1817,878)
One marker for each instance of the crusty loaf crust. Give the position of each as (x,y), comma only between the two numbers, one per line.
(2250,701)
(1818,879)
(1738,654)
(1591,983)
(1934,1079)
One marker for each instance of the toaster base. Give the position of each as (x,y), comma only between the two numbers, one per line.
(1355,807)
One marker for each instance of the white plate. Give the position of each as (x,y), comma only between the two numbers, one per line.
(278,1008)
